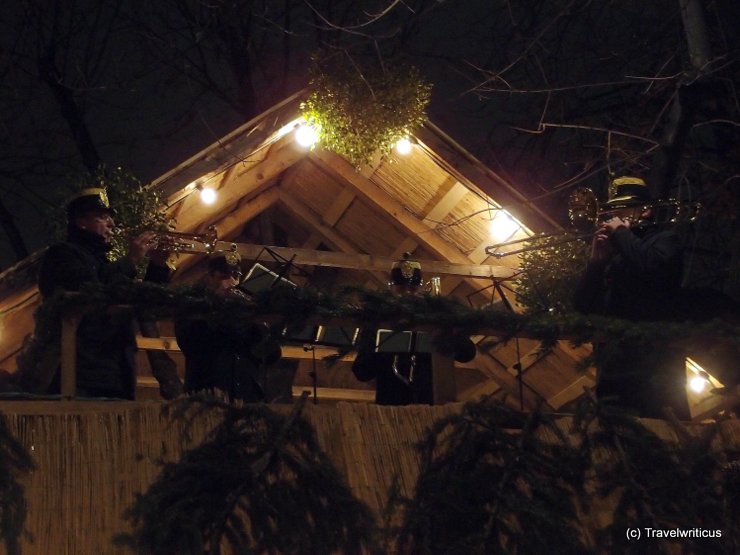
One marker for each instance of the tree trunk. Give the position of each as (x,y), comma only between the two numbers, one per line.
(686,101)
(69,110)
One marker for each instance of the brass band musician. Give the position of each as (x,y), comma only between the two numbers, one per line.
(634,273)
(403,376)
(225,355)
(105,343)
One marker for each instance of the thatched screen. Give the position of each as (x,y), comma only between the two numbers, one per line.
(93,457)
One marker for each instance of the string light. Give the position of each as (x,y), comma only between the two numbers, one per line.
(306,135)
(502,226)
(403,146)
(207,195)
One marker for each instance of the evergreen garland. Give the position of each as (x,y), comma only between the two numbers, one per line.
(295,308)
(550,270)
(359,111)
(258,484)
(14,461)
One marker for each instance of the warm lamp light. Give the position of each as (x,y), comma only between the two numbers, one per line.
(502,226)
(306,135)
(207,195)
(697,384)
(698,379)
(403,146)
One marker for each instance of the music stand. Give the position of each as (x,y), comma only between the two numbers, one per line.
(260,278)
(285,265)
(498,287)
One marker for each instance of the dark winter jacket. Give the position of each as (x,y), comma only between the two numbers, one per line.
(640,282)
(230,356)
(105,342)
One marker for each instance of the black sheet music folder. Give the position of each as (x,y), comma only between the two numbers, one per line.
(259,278)
(390,341)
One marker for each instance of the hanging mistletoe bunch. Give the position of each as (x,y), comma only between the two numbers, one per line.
(137,206)
(550,269)
(359,111)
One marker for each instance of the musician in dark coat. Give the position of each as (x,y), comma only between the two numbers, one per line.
(404,376)
(105,342)
(635,273)
(229,355)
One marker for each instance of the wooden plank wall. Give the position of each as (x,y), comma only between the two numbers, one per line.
(93,457)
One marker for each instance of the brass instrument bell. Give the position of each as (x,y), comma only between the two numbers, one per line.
(585,213)
(177,242)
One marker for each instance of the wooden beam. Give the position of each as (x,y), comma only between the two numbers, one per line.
(368,262)
(335,394)
(248,210)
(157,343)
(326,230)
(338,208)
(231,223)
(571,392)
(440,210)
(338,168)
(318,352)
(343,171)
(713,404)
(458,162)
(68,379)
(250,182)
(407,245)
(508,381)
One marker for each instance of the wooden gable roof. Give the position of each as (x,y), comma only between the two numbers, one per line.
(342,225)
(315,208)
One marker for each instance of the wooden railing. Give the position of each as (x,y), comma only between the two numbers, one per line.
(443,376)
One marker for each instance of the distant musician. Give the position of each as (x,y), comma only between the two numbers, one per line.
(403,375)
(228,355)
(635,273)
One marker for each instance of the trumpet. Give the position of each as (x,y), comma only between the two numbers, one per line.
(585,215)
(177,242)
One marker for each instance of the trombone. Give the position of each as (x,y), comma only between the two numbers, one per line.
(585,214)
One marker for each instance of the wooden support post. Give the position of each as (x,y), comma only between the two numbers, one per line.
(444,388)
(70,323)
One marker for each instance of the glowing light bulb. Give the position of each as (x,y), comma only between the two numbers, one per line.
(403,146)
(306,135)
(208,195)
(697,383)
(502,226)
